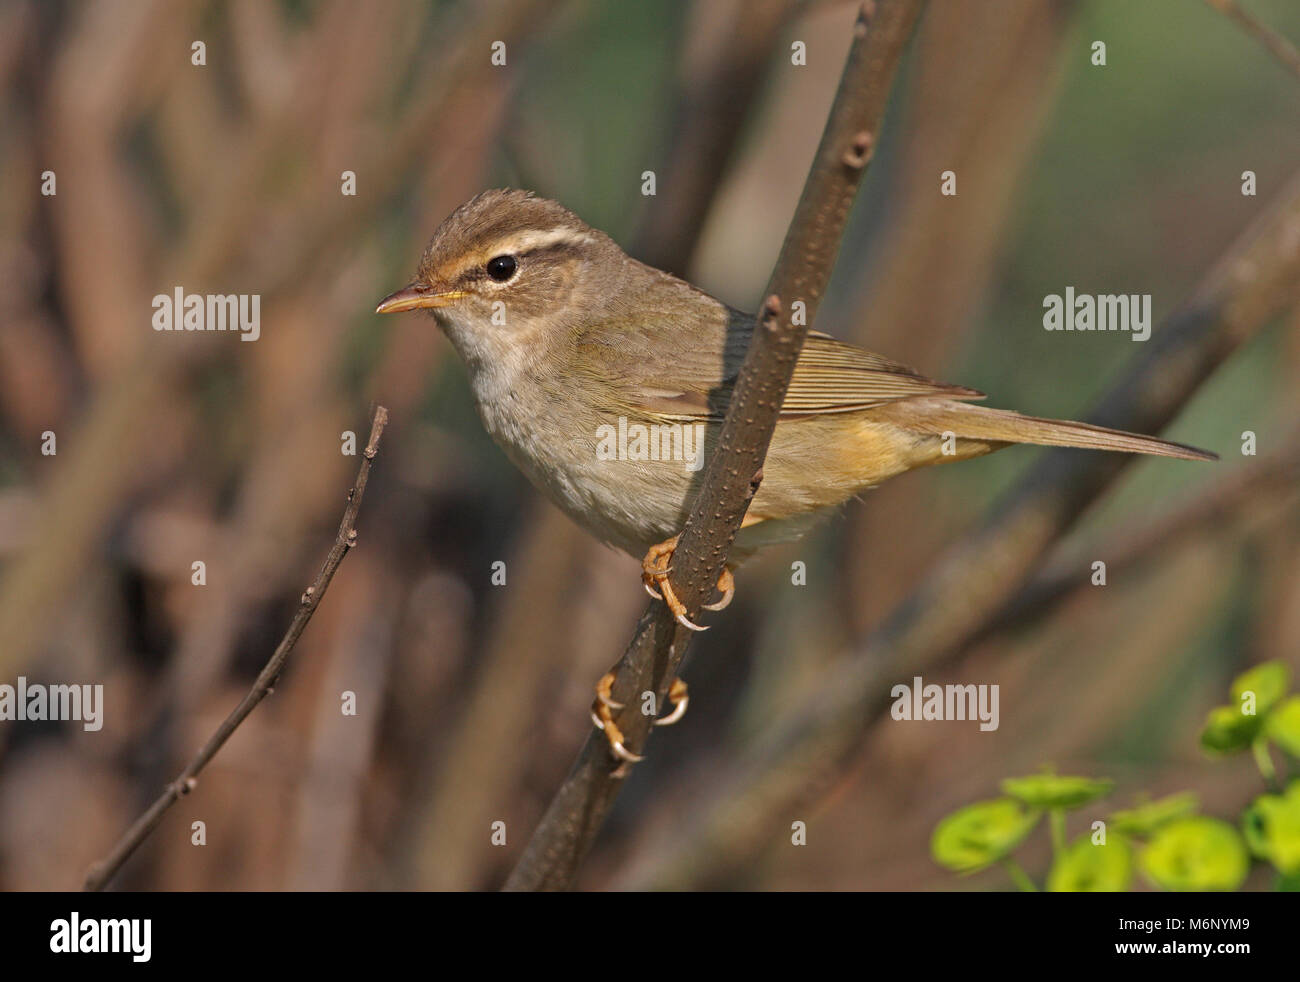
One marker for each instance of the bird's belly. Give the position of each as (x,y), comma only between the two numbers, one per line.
(602,475)
(630,482)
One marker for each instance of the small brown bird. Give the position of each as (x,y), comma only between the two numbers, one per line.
(606,380)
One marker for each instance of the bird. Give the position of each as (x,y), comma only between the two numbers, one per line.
(606,380)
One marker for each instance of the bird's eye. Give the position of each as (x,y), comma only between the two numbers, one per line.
(501,268)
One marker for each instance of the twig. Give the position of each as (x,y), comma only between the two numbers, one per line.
(104,870)
(807,748)
(1278,46)
(650,662)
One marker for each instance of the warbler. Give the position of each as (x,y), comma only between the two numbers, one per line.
(570,344)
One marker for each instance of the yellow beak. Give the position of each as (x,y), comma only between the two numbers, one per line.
(415,296)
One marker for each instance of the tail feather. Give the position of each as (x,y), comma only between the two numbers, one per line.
(1004,426)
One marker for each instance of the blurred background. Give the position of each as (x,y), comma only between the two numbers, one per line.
(472,698)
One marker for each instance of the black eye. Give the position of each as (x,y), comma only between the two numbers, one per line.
(501,268)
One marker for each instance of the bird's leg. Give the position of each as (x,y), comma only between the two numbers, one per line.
(604,707)
(654,573)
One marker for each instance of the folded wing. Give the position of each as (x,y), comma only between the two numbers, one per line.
(656,374)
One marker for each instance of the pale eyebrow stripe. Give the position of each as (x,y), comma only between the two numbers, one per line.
(525,242)
(532,241)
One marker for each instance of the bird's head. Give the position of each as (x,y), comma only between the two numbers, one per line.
(506,266)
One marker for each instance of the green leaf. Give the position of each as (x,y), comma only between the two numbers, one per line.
(1087,868)
(1197,853)
(979,835)
(1283,726)
(1055,791)
(1272,828)
(1145,817)
(1228,731)
(1268,682)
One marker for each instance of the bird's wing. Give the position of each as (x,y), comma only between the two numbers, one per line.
(834,377)
(658,372)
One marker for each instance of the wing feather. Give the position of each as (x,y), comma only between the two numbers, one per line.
(655,373)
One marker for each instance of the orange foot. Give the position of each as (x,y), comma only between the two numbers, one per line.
(654,573)
(602,714)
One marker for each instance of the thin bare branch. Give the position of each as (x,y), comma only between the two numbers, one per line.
(103,871)
(650,662)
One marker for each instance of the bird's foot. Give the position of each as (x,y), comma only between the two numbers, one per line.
(604,707)
(726,587)
(602,715)
(654,574)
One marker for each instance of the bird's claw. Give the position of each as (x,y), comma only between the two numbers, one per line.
(726,587)
(602,716)
(654,574)
(679,697)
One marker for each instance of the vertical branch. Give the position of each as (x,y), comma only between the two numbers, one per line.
(650,662)
(805,750)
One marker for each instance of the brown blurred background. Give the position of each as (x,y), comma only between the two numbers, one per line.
(472,698)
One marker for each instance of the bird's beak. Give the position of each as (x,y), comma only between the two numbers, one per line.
(415,296)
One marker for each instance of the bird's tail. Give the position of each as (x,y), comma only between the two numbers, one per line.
(1004,426)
